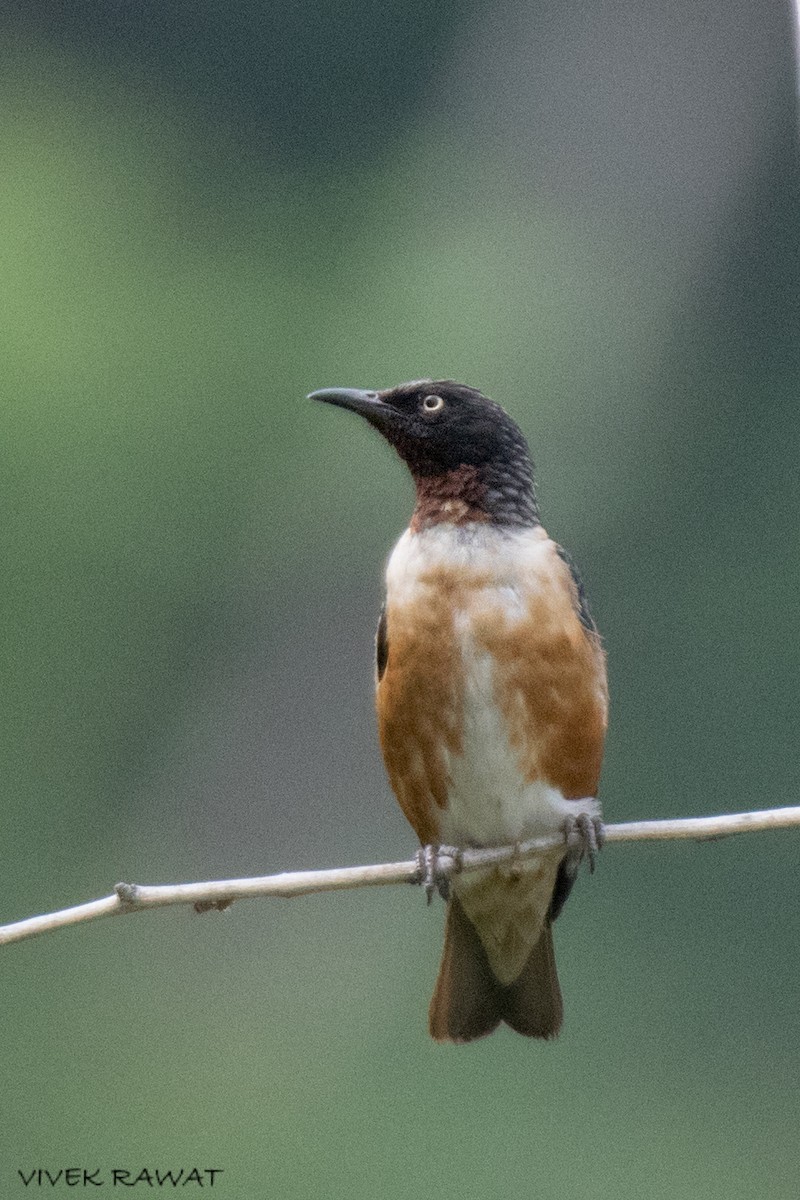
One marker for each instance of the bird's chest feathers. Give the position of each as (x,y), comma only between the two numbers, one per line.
(490,797)
(491,694)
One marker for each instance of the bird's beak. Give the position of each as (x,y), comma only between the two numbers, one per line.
(366,404)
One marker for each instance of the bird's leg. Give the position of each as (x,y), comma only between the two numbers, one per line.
(433,874)
(589,836)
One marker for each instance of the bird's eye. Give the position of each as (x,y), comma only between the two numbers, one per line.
(433,404)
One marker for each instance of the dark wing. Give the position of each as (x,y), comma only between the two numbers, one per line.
(568,870)
(582,605)
(567,874)
(381,645)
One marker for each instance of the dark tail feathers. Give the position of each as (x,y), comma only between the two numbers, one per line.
(469,1001)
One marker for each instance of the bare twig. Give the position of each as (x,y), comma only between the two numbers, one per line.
(128,897)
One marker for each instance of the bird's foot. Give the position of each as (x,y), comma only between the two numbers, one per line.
(515,865)
(434,873)
(587,834)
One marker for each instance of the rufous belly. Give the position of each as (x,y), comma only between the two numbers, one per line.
(492,713)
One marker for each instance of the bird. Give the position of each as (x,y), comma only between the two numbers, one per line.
(492,699)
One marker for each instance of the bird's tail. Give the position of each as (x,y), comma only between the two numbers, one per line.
(469,1000)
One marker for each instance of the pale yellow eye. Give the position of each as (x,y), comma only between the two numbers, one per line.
(433,404)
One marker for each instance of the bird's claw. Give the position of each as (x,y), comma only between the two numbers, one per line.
(515,863)
(433,874)
(588,834)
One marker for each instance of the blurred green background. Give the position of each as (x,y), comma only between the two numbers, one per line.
(208,210)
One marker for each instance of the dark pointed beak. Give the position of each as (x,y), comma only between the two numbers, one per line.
(367,404)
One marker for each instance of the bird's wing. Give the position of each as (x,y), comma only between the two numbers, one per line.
(381,645)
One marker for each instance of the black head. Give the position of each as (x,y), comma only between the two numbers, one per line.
(452,437)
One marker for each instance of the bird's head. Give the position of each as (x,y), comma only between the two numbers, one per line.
(456,442)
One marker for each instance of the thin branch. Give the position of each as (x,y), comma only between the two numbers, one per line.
(128,897)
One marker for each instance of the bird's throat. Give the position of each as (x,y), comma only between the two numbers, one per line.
(468,493)
(455,497)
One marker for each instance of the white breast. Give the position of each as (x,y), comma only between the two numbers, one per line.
(489,801)
(507,556)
